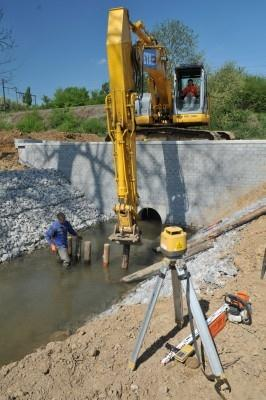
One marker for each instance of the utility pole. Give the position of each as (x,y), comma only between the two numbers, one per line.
(4,95)
(16,89)
(34,95)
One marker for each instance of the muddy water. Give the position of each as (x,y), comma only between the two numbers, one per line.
(40,301)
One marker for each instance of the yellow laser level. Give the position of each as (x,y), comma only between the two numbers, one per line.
(173,242)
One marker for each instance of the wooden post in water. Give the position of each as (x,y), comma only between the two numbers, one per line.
(125,256)
(69,245)
(106,254)
(74,248)
(87,251)
(79,241)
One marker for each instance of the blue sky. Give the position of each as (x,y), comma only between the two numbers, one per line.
(60,43)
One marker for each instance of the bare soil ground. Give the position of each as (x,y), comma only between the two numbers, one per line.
(8,152)
(93,363)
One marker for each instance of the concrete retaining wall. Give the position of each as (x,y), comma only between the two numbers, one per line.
(187,182)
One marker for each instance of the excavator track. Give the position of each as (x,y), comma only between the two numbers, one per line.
(168,133)
(172,132)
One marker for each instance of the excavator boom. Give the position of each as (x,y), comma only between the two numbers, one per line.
(120,106)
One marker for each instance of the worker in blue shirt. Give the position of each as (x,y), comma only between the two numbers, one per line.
(56,236)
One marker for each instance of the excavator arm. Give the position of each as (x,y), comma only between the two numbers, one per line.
(125,62)
(120,106)
(153,60)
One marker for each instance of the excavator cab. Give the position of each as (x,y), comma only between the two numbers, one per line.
(190,95)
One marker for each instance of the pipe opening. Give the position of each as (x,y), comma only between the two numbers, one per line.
(149,214)
(150,223)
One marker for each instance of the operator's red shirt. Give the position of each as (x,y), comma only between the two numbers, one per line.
(190,89)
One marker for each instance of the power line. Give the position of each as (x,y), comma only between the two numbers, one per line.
(4,106)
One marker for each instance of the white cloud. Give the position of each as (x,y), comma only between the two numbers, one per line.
(102,61)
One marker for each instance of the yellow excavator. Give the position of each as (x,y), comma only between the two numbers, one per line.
(161,111)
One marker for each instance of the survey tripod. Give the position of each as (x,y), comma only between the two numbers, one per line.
(181,280)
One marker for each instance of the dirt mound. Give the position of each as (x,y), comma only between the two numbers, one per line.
(92,364)
(243,201)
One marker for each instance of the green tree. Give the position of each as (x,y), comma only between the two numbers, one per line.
(27,98)
(105,88)
(226,86)
(254,94)
(237,102)
(71,96)
(46,101)
(97,97)
(180,41)
(74,96)
(225,91)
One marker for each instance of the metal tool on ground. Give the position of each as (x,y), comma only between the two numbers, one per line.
(189,339)
(183,354)
(239,308)
(216,322)
(173,244)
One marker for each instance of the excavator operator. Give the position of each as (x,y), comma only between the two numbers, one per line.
(189,93)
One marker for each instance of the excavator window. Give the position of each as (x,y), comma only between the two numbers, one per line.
(189,82)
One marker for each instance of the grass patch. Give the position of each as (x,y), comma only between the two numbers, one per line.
(250,126)
(94,125)
(64,120)
(245,124)
(5,125)
(31,122)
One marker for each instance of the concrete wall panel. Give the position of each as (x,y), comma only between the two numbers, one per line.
(187,182)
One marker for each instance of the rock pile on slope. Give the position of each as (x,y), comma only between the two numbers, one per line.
(30,200)
(210,268)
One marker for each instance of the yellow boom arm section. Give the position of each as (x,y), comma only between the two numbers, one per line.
(120,106)
(124,62)
(159,84)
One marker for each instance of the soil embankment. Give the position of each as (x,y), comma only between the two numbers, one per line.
(9,155)
(92,364)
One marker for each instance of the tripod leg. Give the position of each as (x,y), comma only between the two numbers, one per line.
(202,326)
(147,318)
(177,297)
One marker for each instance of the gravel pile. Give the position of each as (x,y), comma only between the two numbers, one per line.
(30,200)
